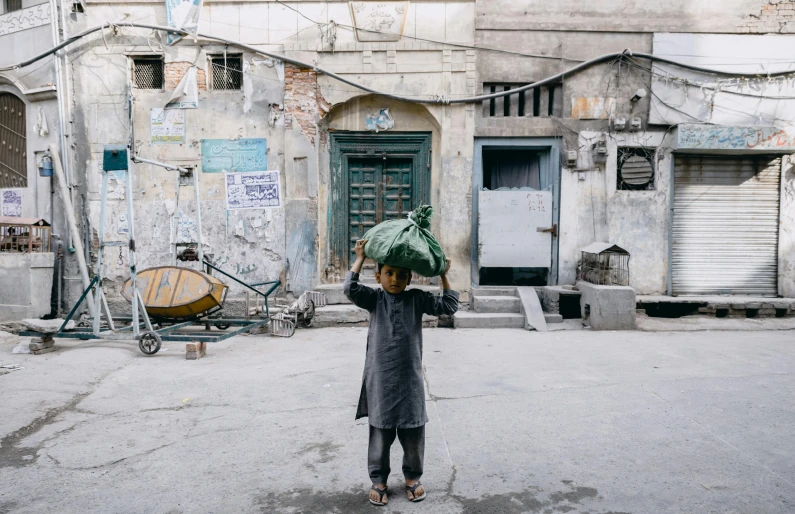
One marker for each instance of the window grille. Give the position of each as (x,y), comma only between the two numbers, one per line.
(13,5)
(148,72)
(635,168)
(13,142)
(540,102)
(226,71)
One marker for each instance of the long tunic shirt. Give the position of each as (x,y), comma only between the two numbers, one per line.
(393,392)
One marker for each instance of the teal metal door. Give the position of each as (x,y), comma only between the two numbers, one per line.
(374,177)
(380,189)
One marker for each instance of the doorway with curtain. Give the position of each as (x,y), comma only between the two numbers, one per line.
(515,199)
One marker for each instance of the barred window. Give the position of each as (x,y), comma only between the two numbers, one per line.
(226,71)
(148,72)
(13,5)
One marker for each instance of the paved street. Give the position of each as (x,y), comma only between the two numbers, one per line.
(574,421)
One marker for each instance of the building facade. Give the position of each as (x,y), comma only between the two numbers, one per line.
(520,183)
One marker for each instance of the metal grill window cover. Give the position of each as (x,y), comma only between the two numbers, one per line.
(227,72)
(635,169)
(534,103)
(148,72)
(725,225)
(13,142)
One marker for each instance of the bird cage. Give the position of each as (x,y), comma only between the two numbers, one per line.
(604,264)
(25,235)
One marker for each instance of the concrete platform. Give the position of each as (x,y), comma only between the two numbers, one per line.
(335,296)
(738,302)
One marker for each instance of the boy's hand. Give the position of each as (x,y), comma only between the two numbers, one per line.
(447,267)
(359,249)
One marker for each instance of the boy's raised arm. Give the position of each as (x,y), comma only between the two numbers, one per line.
(445,304)
(361,295)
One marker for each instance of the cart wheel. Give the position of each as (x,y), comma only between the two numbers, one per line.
(309,314)
(222,326)
(150,342)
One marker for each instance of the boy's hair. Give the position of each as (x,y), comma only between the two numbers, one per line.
(381,265)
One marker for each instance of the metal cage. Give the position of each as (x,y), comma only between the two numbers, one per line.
(25,235)
(604,264)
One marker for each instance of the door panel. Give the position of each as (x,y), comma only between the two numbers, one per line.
(508,229)
(379,190)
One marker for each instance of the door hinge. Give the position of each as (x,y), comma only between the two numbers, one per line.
(552,230)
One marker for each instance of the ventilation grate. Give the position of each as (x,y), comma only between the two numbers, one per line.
(540,102)
(635,169)
(227,71)
(148,73)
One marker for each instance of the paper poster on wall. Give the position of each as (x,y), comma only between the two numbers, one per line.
(183,15)
(186,95)
(167,125)
(253,190)
(234,155)
(379,21)
(12,202)
(124,226)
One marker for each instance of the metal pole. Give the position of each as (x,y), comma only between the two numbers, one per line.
(198,214)
(70,218)
(103,203)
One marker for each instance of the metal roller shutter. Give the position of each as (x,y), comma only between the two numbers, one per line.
(725,225)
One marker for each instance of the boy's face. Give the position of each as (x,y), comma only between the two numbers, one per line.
(393,280)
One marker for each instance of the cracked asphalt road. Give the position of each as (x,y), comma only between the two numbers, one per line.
(581,422)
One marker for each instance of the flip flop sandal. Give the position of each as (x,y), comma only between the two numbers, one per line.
(413,488)
(381,495)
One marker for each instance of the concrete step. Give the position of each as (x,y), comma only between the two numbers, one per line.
(350,315)
(467,319)
(504,304)
(553,318)
(494,291)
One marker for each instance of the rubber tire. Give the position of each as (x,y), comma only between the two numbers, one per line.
(145,345)
(222,326)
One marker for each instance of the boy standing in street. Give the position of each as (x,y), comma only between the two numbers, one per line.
(393,390)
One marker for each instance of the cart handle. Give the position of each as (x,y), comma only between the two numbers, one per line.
(276,283)
(82,297)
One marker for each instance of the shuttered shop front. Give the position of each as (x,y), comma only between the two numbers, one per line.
(725,225)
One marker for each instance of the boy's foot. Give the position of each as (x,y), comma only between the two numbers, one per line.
(415,491)
(378,494)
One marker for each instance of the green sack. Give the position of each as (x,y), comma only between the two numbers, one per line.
(407,243)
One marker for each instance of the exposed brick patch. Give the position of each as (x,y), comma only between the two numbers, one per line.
(776,16)
(303,101)
(176,70)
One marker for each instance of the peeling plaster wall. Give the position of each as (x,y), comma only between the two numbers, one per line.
(786,242)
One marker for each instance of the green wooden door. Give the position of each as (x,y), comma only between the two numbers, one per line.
(378,190)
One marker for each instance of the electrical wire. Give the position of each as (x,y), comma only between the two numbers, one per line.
(441,99)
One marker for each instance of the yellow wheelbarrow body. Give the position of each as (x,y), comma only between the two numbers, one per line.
(177,293)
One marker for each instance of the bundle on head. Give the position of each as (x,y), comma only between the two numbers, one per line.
(407,243)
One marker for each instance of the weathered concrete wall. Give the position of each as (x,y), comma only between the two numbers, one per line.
(592,209)
(628,16)
(786,241)
(25,285)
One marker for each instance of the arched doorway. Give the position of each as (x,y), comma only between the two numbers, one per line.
(13,143)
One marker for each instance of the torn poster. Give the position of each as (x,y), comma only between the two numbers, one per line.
(12,202)
(379,121)
(379,21)
(253,190)
(183,15)
(186,95)
(167,126)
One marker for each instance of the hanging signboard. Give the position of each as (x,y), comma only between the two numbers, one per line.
(183,15)
(745,139)
(234,155)
(253,190)
(167,126)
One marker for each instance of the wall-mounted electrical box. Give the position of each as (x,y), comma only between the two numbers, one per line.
(636,124)
(619,123)
(114,158)
(571,158)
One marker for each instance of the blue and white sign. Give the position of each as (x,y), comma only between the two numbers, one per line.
(253,190)
(234,155)
(745,139)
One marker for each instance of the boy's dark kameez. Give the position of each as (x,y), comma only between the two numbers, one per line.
(393,390)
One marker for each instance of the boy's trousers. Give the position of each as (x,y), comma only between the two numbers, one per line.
(413,442)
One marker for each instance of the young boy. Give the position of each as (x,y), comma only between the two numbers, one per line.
(393,389)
